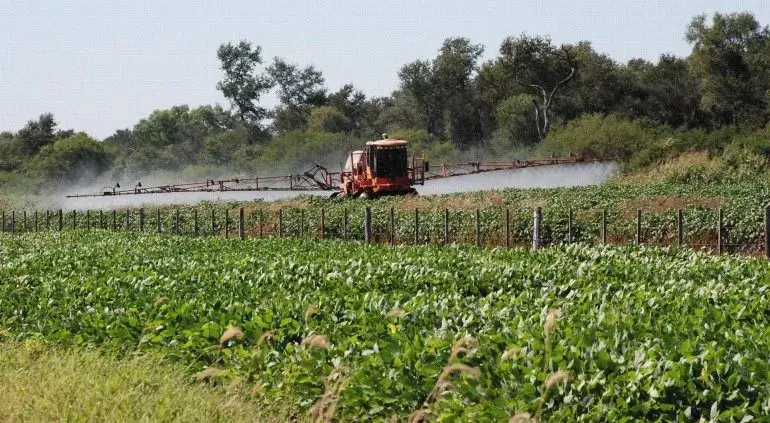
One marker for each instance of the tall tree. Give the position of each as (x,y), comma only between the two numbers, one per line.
(536,64)
(442,90)
(731,57)
(454,70)
(299,90)
(242,85)
(37,134)
(418,81)
(351,103)
(595,87)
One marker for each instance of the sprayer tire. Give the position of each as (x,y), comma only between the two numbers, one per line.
(335,194)
(365,195)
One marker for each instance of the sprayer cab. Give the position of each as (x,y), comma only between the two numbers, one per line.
(381,168)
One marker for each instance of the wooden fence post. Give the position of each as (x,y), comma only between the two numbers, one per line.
(74,219)
(392,226)
(241,224)
(158,222)
(114,221)
(344,223)
(128,220)
(638,226)
(61,220)
(570,222)
(176,222)
(260,222)
(280,222)
(36,224)
(536,228)
(368,225)
(2,223)
(24,221)
(102,223)
(416,226)
(478,228)
(88,219)
(47,220)
(719,231)
(141,220)
(195,221)
(679,228)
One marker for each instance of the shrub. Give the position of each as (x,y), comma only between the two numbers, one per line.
(601,136)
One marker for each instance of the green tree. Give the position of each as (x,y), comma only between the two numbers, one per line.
(328,119)
(360,113)
(299,90)
(441,92)
(242,85)
(37,134)
(732,59)
(515,126)
(11,154)
(424,101)
(595,87)
(542,69)
(454,70)
(70,159)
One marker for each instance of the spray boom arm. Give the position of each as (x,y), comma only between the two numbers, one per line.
(318,178)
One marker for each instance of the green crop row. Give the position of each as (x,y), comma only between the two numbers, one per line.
(365,332)
(598,213)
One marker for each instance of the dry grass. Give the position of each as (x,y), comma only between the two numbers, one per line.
(510,353)
(40,382)
(465,346)
(550,321)
(520,418)
(557,377)
(230,334)
(672,166)
(395,312)
(310,311)
(325,409)
(317,341)
(266,336)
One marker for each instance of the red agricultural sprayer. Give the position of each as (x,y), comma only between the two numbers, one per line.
(383,167)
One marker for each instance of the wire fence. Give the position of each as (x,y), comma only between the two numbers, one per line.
(499,227)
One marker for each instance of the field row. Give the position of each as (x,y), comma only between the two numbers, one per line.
(736,231)
(363,332)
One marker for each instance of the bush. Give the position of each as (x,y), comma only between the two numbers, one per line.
(595,135)
(328,119)
(70,159)
(515,123)
(421,142)
(294,151)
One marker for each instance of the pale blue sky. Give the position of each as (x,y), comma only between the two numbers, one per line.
(102,65)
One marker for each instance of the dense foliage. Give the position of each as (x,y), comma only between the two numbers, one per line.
(567,334)
(532,95)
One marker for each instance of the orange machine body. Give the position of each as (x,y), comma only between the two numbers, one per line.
(382,168)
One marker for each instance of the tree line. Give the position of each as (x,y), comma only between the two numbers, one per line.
(534,95)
